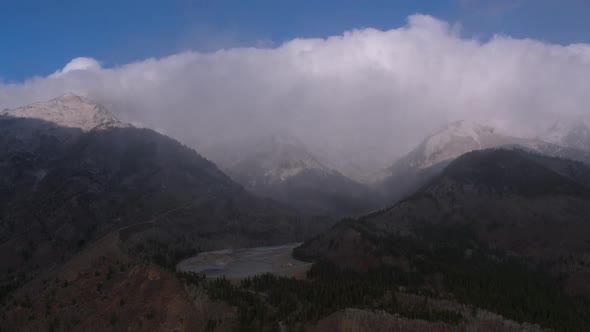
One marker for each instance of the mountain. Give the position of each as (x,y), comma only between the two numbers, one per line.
(279,166)
(70,178)
(496,228)
(450,142)
(572,133)
(509,193)
(426,160)
(266,160)
(432,155)
(70,111)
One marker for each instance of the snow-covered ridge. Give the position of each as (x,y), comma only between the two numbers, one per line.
(437,147)
(284,170)
(569,140)
(69,110)
(452,141)
(265,159)
(572,133)
(449,142)
(283,156)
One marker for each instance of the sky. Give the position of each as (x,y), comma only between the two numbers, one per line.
(41,36)
(359,82)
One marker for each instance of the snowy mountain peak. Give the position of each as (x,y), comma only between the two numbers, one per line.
(465,127)
(572,133)
(282,156)
(564,139)
(69,110)
(70,97)
(438,146)
(265,159)
(450,142)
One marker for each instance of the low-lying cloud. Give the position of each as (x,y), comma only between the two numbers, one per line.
(366,95)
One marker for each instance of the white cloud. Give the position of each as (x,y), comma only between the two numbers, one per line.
(365,95)
(80,63)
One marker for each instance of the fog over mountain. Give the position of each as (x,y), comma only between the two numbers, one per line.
(360,99)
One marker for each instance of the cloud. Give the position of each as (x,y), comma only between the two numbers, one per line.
(365,96)
(80,63)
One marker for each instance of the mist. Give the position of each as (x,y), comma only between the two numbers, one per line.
(366,96)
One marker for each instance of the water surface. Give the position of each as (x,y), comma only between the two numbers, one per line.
(244,262)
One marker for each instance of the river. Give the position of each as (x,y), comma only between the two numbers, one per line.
(244,262)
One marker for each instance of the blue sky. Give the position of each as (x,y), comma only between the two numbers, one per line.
(39,37)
